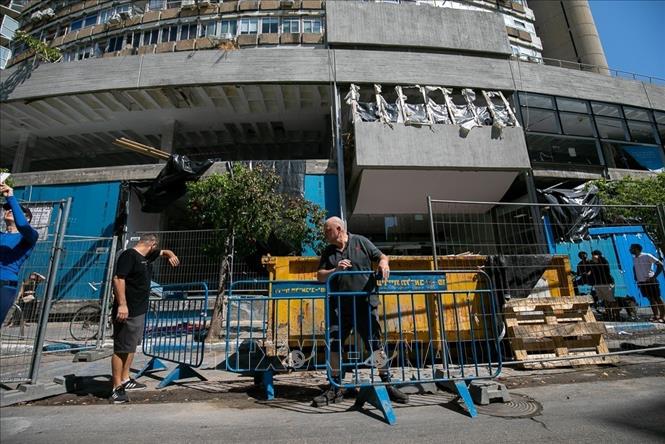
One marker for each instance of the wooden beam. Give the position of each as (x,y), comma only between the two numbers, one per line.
(141,148)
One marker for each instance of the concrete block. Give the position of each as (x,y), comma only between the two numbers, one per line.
(207,10)
(89,4)
(148,49)
(85,32)
(127,51)
(31,392)
(98,29)
(247,40)
(312,4)
(484,392)
(312,38)
(185,45)
(513,32)
(268,39)
(62,12)
(228,7)
(92,355)
(289,39)
(170,13)
(150,16)
(77,6)
(165,47)
(204,43)
(269,4)
(70,37)
(133,21)
(248,5)
(57,41)
(525,36)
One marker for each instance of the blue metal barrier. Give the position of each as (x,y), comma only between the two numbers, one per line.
(416,327)
(175,331)
(274,326)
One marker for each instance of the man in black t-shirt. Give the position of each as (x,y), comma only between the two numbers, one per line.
(352,252)
(131,287)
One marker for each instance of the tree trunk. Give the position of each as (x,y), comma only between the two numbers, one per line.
(219,311)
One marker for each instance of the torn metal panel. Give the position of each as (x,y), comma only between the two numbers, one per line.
(387,113)
(413,113)
(496,105)
(436,104)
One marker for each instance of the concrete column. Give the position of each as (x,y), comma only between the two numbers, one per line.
(584,33)
(168,137)
(22,158)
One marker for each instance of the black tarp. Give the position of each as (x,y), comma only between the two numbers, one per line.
(171,183)
(571,214)
(515,276)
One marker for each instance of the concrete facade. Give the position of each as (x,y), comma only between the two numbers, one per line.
(419,26)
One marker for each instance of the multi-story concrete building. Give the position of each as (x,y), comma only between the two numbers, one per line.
(9,13)
(382,103)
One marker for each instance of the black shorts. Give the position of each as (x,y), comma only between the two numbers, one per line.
(355,315)
(128,335)
(651,290)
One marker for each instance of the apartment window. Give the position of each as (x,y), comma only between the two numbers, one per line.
(636,114)
(269,25)
(90,20)
(105,15)
(156,5)
(188,32)
(229,27)
(290,26)
(634,156)
(115,44)
(576,124)
(572,105)
(311,25)
(566,150)
(173,4)
(606,109)
(519,24)
(540,120)
(609,128)
(249,25)
(5,55)
(536,100)
(642,132)
(150,37)
(76,25)
(169,34)
(208,29)
(134,39)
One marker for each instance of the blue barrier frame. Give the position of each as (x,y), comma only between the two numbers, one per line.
(375,392)
(185,368)
(264,370)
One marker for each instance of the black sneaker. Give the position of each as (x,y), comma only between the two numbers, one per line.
(133,385)
(119,396)
(396,395)
(332,395)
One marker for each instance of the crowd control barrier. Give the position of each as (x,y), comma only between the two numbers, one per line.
(274,326)
(175,330)
(416,327)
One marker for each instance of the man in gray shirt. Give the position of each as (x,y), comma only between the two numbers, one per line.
(352,252)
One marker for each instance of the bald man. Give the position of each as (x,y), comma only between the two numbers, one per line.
(351,252)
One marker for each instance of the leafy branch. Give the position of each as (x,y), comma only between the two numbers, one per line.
(41,49)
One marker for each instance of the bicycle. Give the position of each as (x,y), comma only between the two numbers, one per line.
(84,325)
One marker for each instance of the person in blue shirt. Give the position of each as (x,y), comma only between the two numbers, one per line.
(16,244)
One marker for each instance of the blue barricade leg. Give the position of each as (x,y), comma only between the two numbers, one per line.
(378,397)
(182,371)
(463,391)
(265,378)
(154,365)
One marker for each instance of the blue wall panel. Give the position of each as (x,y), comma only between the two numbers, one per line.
(322,190)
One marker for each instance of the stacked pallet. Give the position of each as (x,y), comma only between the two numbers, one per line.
(547,328)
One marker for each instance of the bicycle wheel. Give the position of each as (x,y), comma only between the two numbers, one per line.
(85,323)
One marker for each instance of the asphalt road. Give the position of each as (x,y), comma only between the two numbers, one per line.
(631,411)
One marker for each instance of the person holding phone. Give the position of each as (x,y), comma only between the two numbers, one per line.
(16,244)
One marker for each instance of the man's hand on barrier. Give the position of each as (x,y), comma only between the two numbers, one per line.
(344,264)
(123,313)
(384,270)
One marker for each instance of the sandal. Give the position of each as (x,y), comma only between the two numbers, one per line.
(653,319)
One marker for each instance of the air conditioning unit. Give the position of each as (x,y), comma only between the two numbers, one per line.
(188,4)
(115,19)
(125,15)
(227,36)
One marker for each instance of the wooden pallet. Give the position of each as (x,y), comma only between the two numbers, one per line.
(545,328)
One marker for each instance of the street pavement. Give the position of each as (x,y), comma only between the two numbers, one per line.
(627,410)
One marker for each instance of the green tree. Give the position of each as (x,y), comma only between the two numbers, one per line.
(245,204)
(635,191)
(41,49)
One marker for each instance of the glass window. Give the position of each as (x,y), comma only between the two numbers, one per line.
(105,15)
(208,29)
(642,132)
(661,131)
(187,32)
(75,25)
(609,128)
(311,25)
(536,100)
(660,117)
(229,27)
(134,39)
(269,25)
(636,114)
(605,109)
(156,5)
(290,26)
(519,24)
(90,20)
(634,157)
(576,106)
(150,37)
(540,120)
(576,124)
(115,44)
(562,150)
(169,34)
(249,25)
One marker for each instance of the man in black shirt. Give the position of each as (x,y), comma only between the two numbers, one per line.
(604,284)
(352,252)
(131,285)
